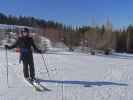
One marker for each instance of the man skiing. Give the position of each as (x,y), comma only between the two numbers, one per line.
(25,44)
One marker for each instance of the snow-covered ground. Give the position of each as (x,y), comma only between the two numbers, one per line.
(73,76)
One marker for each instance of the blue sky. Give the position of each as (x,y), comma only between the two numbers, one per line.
(75,12)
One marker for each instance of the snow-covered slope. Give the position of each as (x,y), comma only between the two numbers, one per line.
(73,76)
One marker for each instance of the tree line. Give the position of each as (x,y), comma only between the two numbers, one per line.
(87,37)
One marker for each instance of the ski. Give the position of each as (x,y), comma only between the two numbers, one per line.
(41,86)
(35,87)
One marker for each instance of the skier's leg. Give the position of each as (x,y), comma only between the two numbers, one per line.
(32,71)
(25,69)
(31,68)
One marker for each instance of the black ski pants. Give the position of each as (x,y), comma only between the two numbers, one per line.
(28,66)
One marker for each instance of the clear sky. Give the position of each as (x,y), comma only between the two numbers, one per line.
(75,12)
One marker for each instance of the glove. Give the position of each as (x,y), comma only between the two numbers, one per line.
(41,51)
(6,47)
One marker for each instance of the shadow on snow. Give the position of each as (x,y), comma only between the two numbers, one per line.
(84,83)
(117,56)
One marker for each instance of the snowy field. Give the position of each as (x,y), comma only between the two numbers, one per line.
(73,76)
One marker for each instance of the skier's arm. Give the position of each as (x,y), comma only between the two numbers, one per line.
(13,46)
(35,47)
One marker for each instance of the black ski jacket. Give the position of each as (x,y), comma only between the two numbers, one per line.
(25,44)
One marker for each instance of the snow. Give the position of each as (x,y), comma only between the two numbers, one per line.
(73,76)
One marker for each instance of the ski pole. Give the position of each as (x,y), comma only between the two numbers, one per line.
(45,66)
(7,67)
